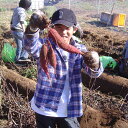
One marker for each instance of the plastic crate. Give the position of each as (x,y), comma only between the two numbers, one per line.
(106,18)
(119,20)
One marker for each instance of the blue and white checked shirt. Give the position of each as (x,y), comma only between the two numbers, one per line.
(48,91)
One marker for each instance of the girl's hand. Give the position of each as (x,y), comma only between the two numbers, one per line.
(39,20)
(92,59)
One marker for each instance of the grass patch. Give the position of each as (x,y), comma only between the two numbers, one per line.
(30,72)
(3,9)
(49,10)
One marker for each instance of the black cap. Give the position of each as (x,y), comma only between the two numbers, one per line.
(25,4)
(64,16)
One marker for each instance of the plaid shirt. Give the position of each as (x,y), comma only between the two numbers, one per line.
(48,91)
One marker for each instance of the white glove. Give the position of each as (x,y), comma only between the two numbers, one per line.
(39,20)
(92,59)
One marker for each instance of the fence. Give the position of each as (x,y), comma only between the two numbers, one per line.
(85,10)
(37,4)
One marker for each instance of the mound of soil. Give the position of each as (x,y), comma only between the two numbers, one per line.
(106,42)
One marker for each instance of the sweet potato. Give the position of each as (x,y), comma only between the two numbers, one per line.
(47,54)
(44,59)
(60,42)
(51,56)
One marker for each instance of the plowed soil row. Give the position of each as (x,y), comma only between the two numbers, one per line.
(105,41)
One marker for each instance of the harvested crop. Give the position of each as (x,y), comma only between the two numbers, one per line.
(47,54)
(60,42)
(51,56)
(44,59)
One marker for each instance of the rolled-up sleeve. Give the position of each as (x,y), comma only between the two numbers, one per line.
(33,44)
(21,14)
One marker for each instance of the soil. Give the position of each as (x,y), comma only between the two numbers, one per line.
(103,110)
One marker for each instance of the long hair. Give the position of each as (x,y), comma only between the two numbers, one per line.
(25,4)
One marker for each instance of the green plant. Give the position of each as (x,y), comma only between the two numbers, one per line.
(3,9)
(30,72)
(49,10)
(29,12)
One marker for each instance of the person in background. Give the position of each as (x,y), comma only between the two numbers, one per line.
(18,29)
(58,101)
(123,66)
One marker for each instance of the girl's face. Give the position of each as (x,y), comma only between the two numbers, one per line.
(65,32)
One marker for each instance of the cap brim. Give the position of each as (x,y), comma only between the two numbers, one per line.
(63,22)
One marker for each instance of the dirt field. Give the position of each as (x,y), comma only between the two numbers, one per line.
(103,110)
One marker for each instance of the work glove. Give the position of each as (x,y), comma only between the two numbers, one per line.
(92,60)
(39,20)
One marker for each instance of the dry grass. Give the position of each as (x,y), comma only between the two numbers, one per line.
(5,18)
(15,111)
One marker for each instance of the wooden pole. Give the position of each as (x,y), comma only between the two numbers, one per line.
(69,2)
(98,9)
